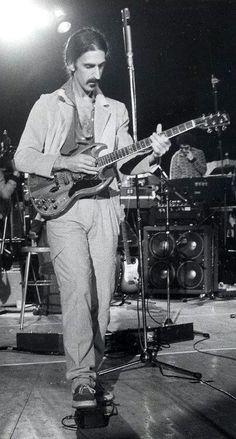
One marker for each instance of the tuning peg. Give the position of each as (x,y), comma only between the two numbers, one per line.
(224,127)
(209,130)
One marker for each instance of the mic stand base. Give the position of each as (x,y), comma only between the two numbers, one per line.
(168,321)
(149,358)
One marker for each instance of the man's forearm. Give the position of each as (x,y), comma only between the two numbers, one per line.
(61,163)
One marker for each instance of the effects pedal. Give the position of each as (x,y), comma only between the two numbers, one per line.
(97,417)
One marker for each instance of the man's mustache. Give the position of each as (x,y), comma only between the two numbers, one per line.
(92,81)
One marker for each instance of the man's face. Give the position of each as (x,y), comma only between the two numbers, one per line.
(88,70)
(185,149)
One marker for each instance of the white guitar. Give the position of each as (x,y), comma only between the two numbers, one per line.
(130,275)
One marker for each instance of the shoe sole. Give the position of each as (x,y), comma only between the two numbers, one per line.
(84,404)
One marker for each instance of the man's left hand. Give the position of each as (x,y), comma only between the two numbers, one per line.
(190,156)
(160,143)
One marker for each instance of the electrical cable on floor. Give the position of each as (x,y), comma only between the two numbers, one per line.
(218,389)
(139,325)
(72,426)
(150,315)
(210,353)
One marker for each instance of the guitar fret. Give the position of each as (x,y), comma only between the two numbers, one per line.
(141,144)
(189,124)
(175,130)
(168,133)
(179,129)
(182,128)
(100,161)
(112,156)
(126,150)
(119,153)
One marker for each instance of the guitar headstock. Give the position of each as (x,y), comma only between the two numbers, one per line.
(213,122)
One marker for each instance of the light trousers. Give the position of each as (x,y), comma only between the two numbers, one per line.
(83,244)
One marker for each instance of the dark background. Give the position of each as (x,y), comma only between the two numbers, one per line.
(177,45)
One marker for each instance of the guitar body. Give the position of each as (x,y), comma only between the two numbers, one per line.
(130,276)
(52,197)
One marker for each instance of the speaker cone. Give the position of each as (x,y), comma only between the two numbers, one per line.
(162,245)
(190,274)
(158,274)
(190,245)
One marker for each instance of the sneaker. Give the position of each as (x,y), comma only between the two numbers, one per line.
(84,397)
(102,394)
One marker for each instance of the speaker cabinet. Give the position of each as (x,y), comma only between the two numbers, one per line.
(189,254)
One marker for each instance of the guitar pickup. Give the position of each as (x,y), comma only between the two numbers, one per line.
(54,188)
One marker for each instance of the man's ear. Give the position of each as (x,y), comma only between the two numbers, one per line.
(71,67)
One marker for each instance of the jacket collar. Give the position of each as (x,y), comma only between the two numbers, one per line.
(102,107)
(66,93)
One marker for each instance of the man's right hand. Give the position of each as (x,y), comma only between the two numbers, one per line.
(79,163)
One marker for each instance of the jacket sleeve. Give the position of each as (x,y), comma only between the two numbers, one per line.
(29,155)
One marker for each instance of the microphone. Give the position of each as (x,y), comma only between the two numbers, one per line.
(125,14)
(214,81)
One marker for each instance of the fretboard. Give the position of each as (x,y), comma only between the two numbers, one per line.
(125,242)
(142,145)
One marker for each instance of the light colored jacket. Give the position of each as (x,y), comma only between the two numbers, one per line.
(48,125)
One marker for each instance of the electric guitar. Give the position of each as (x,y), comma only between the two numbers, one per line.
(130,275)
(54,196)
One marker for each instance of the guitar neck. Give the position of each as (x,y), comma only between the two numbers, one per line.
(125,242)
(142,145)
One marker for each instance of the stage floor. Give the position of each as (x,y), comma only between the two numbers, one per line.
(152,402)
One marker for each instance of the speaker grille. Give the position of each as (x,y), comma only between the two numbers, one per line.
(162,245)
(190,245)
(190,275)
(189,254)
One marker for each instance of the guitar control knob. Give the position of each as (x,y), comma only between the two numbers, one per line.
(54,206)
(45,207)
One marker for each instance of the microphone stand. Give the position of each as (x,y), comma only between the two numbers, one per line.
(214,82)
(148,354)
(125,14)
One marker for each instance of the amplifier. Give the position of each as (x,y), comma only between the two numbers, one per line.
(147,197)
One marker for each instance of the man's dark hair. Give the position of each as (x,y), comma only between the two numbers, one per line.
(82,41)
(186,139)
